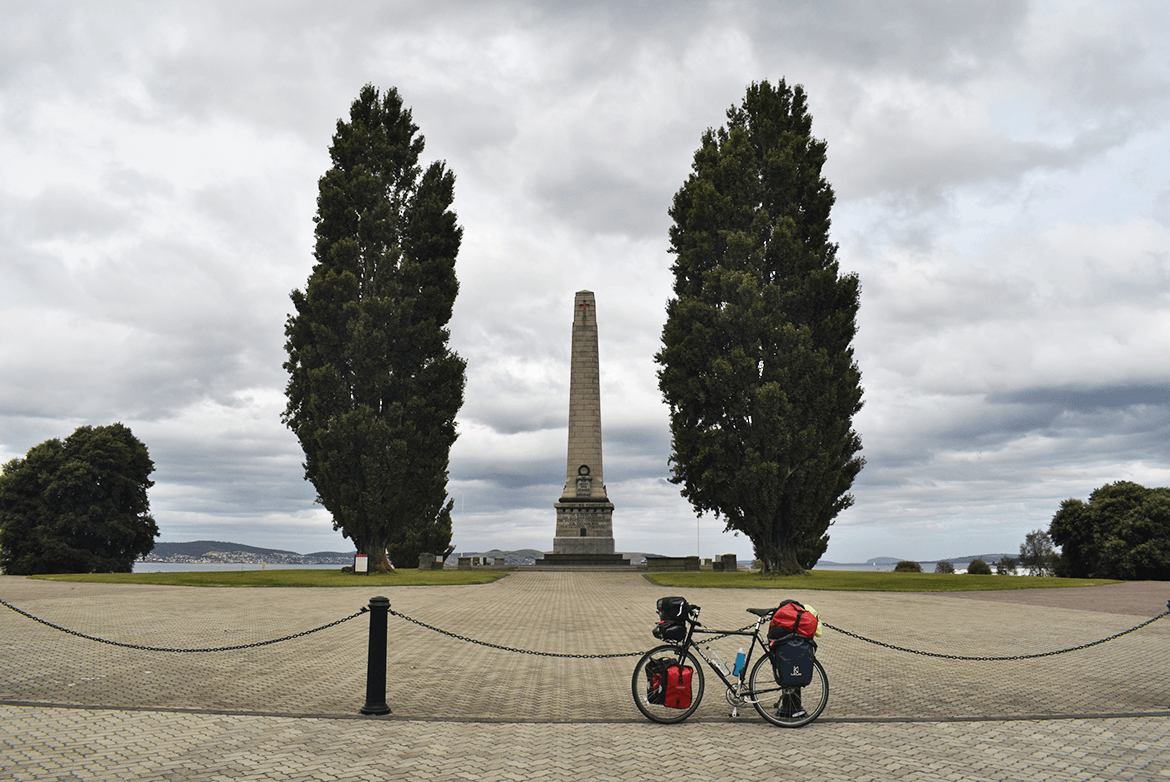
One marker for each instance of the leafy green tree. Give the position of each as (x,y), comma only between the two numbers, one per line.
(756,362)
(373,387)
(77,506)
(907,566)
(944,567)
(1037,553)
(978,568)
(1122,532)
(1005,566)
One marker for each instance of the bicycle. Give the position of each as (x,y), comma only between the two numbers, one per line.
(786,706)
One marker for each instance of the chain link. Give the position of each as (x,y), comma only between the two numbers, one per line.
(458,637)
(718,634)
(996,659)
(164,649)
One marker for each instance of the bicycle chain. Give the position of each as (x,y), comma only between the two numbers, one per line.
(996,659)
(458,637)
(165,649)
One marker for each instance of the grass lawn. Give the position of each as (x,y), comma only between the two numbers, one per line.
(834,580)
(868,581)
(287,578)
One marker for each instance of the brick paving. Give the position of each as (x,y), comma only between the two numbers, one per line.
(71,708)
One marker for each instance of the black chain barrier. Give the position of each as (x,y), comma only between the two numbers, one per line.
(165,649)
(458,637)
(997,659)
(464,638)
(725,634)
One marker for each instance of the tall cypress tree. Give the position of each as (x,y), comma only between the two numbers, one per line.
(373,387)
(756,361)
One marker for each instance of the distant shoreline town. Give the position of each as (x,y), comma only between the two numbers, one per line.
(215,552)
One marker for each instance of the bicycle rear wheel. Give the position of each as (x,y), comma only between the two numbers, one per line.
(648,687)
(788,707)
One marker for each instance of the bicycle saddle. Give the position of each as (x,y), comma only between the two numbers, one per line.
(761,611)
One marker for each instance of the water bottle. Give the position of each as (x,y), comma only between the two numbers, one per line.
(739,659)
(717,661)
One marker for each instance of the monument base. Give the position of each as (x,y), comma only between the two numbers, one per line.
(583,546)
(584,560)
(584,526)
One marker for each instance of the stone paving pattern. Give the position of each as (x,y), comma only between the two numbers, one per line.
(71,708)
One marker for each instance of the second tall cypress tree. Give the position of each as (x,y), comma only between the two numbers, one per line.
(756,361)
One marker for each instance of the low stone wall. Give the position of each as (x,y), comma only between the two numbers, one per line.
(672,563)
(726,563)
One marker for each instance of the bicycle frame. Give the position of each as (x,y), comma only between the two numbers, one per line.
(736,686)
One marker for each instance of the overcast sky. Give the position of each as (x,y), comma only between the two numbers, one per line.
(1003,192)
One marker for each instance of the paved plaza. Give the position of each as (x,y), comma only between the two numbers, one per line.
(73,708)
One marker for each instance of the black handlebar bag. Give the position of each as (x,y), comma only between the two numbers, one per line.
(673,608)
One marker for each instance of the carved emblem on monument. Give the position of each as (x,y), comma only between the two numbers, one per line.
(584,482)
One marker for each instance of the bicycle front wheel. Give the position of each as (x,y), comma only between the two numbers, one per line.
(650,685)
(788,707)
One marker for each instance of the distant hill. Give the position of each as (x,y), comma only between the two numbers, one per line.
(990,559)
(211,551)
(528,556)
(524,556)
(220,551)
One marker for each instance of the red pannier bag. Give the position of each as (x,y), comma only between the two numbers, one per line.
(791,617)
(678,687)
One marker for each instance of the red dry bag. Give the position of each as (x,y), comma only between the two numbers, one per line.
(791,617)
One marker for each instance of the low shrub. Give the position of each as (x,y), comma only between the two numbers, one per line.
(944,567)
(979,568)
(1006,566)
(906,566)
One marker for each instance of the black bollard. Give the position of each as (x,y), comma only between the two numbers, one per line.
(376,664)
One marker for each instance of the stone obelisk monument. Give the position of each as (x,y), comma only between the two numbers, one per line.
(584,514)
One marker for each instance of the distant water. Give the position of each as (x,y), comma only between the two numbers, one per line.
(187,567)
(855,566)
(184,567)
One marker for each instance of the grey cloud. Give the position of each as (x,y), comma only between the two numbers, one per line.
(990,441)
(1087,399)
(934,38)
(62,212)
(597,199)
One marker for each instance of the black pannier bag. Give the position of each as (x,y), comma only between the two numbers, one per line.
(792,660)
(656,671)
(673,608)
(671,631)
